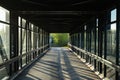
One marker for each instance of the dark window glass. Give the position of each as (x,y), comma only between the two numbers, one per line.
(80,40)
(119,46)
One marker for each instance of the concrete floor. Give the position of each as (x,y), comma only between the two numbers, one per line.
(58,64)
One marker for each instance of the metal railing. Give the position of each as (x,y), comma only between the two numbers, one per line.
(18,58)
(98,58)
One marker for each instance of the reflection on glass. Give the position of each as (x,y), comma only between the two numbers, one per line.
(4,48)
(3,74)
(92,42)
(32,27)
(76,41)
(97,22)
(19,41)
(87,41)
(111,42)
(32,41)
(4,15)
(23,41)
(19,21)
(80,40)
(85,27)
(113,15)
(37,39)
(23,45)
(111,73)
(103,45)
(84,40)
(28,40)
(96,41)
(4,42)
(23,22)
(40,38)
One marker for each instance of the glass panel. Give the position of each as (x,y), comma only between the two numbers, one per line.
(23,45)
(96,22)
(97,68)
(19,41)
(111,42)
(79,40)
(37,39)
(32,40)
(119,47)
(111,73)
(4,42)
(23,41)
(23,23)
(28,40)
(3,74)
(19,21)
(96,41)
(23,61)
(41,38)
(113,15)
(76,40)
(119,75)
(85,27)
(32,27)
(4,48)
(4,15)
(84,40)
(92,42)
(103,45)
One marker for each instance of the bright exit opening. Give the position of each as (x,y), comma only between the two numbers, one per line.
(59,39)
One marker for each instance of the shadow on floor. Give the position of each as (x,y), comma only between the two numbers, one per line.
(58,64)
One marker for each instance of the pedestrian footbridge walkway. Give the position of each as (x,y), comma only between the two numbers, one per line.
(58,64)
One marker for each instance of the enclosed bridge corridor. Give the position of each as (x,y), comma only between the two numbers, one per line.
(58,64)
(93,50)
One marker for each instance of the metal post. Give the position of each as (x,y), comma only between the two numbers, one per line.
(117,41)
(13,41)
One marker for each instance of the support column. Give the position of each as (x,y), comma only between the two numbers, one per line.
(101,38)
(13,41)
(117,41)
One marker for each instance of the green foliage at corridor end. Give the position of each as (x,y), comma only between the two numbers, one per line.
(59,39)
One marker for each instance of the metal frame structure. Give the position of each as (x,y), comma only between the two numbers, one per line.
(99,56)
(27,42)
(88,27)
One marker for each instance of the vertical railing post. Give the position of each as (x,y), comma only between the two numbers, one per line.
(13,41)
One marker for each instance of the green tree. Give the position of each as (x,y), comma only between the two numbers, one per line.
(60,39)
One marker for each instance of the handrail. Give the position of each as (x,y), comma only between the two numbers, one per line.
(98,58)
(18,57)
(25,67)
